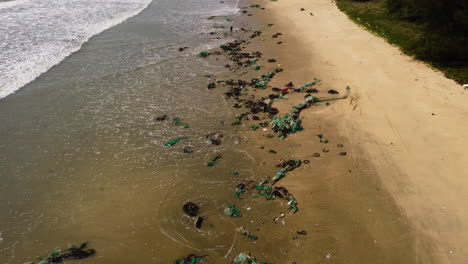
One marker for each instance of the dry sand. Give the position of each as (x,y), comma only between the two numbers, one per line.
(406,126)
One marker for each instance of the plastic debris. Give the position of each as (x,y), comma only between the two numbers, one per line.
(213,161)
(232,211)
(190,259)
(187,150)
(71,253)
(278,218)
(254,127)
(265,187)
(177,121)
(240,190)
(161,118)
(215,138)
(211,86)
(246,233)
(172,142)
(199,222)
(244,258)
(256,67)
(191,209)
(204,54)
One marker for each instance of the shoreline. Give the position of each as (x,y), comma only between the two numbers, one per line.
(406,164)
(332,211)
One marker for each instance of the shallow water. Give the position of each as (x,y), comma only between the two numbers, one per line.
(81,155)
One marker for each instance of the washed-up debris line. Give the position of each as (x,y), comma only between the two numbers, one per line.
(72,253)
(267,189)
(190,259)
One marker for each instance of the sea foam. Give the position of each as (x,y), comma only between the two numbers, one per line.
(36,35)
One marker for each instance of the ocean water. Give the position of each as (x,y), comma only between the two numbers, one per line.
(81,156)
(35,35)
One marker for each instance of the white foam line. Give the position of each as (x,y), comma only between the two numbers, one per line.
(28,78)
(8,4)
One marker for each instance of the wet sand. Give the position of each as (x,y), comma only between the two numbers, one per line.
(398,194)
(355,208)
(348,214)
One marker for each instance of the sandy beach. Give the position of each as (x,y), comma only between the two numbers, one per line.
(404,178)
(152,117)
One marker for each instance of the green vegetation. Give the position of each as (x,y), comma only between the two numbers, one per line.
(433,31)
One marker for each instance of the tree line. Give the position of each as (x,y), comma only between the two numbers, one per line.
(445,27)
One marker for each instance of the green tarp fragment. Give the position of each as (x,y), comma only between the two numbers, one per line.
(204,54)
(172,142)
(177,121)
(232,211)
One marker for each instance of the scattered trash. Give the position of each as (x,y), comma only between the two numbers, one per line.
(278,218)
(172,142)
(199,222)
(211,86)
(204,54)
(246,233)
(191,209)
(333,92)
(244,258)
(286,167)
(280,192)
(306,161)
(182,48)
(71,253)
(256,67)
(302,9)
(178,122)
(232,211)
(325,150)
(316,155)
(343,153)
(276,35)
(187,150)
(213,161)
(190,259)
(215,138)
(272,151)
(240,189)
(340,145)
(303,232)
(161,118)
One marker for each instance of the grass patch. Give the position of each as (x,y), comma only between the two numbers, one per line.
(373,15)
